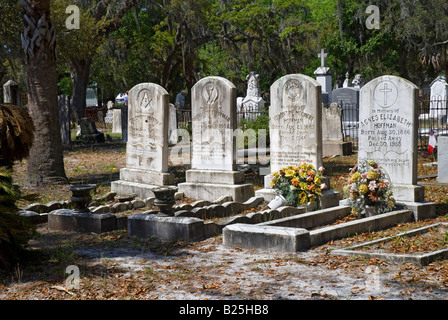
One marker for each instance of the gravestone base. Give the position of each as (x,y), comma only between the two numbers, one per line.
(147,177)
(68,220)
(213,191)
(166,228)
(407,192)
(212,184)
(140,182)
(142,190)
(341,148)
(206,176)
(422,210)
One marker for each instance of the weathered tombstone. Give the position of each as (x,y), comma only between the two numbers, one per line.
(64,118)
(388,135)
(213,170)
(442,159)
(332,135)
(295,126)
(348,100)
(172,124)
(11,93)
(109,118)
(89,132)
(116,122)
(438,98)
(147,145)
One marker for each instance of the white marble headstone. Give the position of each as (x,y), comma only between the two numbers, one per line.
(388,130)
(213,123)
(438,98)
(147,145)
(295,122)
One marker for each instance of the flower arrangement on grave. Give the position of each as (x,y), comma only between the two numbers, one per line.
(369,186)
(299,184)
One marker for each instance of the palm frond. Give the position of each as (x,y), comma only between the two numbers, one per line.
(16,132)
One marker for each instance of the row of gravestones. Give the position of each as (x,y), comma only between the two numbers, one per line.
(387,134)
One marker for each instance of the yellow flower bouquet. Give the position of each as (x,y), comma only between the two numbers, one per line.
(299,184)
(369,186)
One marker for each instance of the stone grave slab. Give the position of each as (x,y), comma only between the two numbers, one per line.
(422,259)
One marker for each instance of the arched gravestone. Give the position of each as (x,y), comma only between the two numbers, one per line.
(388,132)
(147,144)
(295,128)
(295,122)
(213,151)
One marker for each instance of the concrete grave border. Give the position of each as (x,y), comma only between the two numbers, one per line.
(420,259)
(233,235)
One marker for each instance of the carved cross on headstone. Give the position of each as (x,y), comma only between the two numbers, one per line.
(322,55)
(385,90)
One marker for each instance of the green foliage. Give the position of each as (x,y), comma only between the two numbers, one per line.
(15,231)
(260,122)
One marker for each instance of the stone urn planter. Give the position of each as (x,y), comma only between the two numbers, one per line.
(81,197)
(164,200)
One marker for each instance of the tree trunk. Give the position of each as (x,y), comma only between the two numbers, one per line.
(80,77)
(45,162)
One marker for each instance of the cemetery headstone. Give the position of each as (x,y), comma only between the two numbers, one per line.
(348,100)
(332,135)
(323,76)
(213,170)
(89,132)
(64,118)
(388,134)
(442,159)
(438,98)
(116,122)
(11,93)
(147,145)
(172,124)
(295,125)
(109,118)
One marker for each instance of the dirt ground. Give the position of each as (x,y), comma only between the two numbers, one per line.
(115,266)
